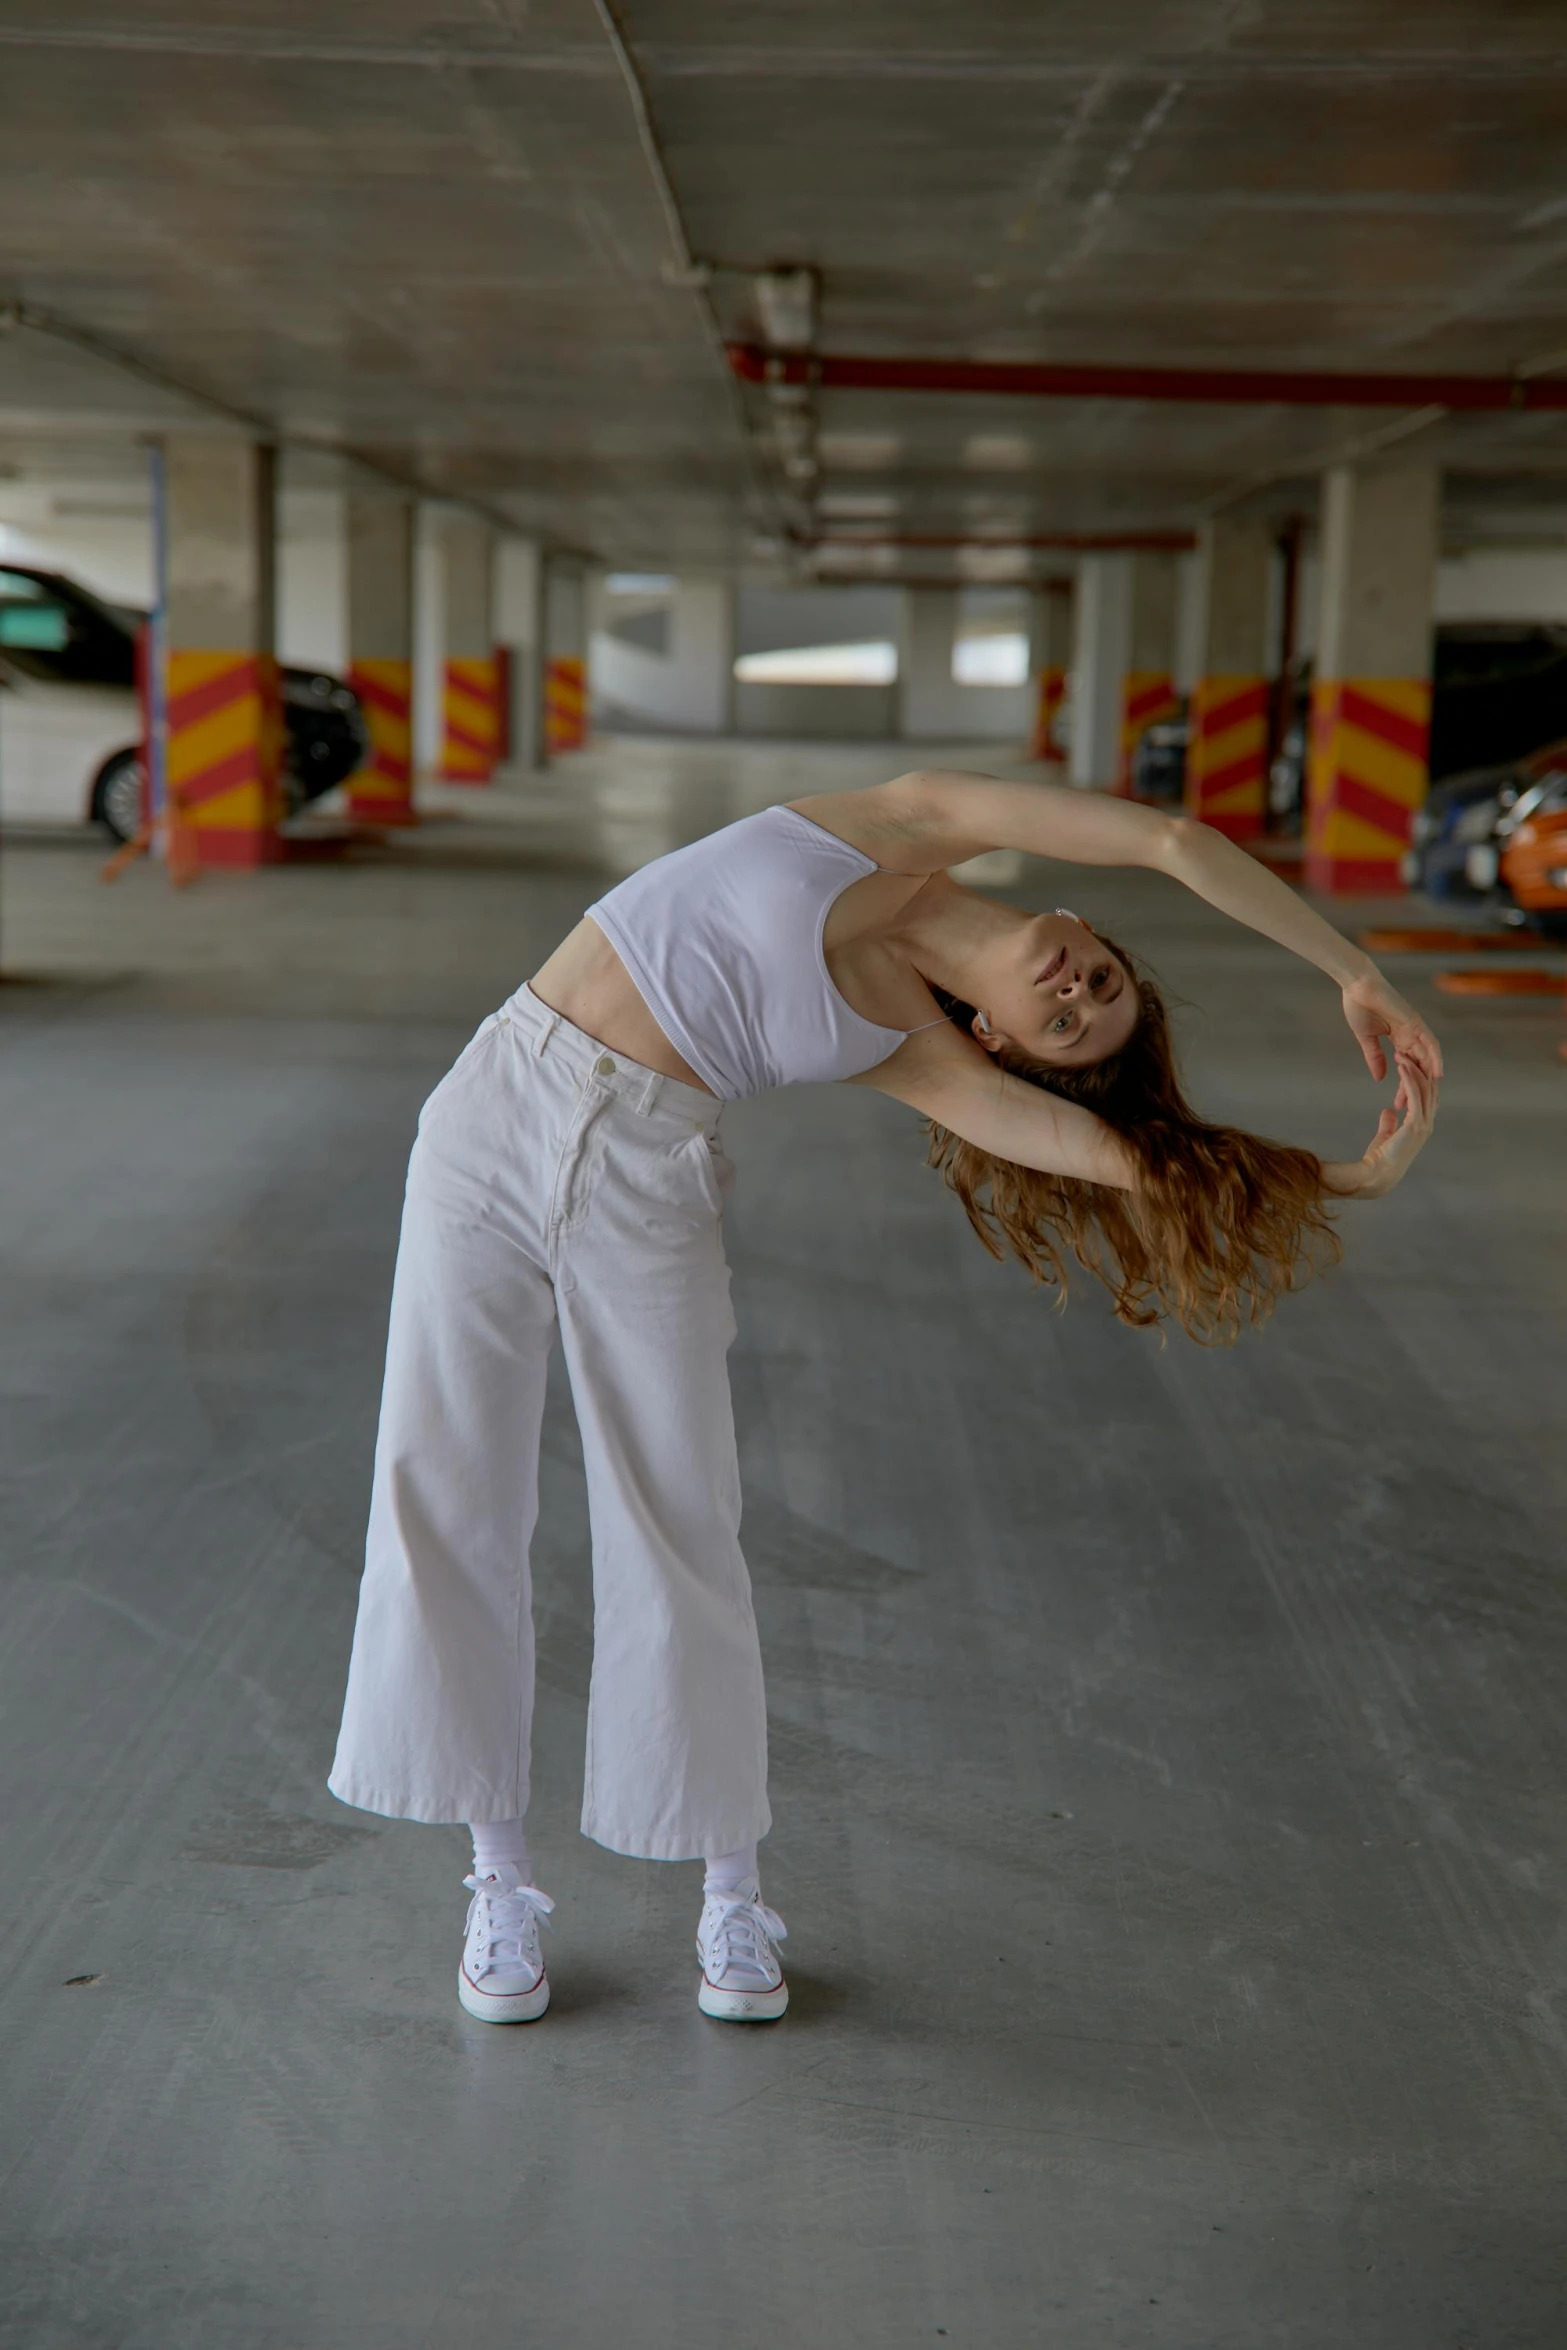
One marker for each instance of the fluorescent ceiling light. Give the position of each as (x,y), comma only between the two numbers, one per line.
(998,452)
(872,663)
(867,452)
(997,657)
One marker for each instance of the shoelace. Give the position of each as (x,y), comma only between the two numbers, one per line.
(737,1936)
(509,1924)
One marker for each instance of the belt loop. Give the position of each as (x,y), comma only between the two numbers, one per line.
(551,1023)
(649,1094)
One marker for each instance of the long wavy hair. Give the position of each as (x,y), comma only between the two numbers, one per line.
(1220,1226)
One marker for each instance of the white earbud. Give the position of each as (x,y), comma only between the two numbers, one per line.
(985,1028)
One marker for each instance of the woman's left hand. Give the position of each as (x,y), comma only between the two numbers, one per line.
(1375,1010)
(1396,1143)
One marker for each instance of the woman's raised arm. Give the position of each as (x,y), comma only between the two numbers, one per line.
(930,819)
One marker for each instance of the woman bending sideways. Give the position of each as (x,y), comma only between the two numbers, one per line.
(568,1174)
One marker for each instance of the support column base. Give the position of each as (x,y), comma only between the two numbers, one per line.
(1050,687)
(233,852)
(1242,828)
(470,711)
(1148,696)
(1366,778)
(565,705)
(1227,754)
(382,791)
(1354,877)
(224,719)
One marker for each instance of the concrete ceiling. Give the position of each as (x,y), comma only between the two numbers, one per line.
(438,236)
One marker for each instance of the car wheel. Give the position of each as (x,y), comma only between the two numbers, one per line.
(118,796)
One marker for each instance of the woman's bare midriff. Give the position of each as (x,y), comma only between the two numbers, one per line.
(588,984)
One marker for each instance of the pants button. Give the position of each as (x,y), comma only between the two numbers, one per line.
(604,1066)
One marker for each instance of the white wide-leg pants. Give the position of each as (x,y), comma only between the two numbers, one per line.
(555,1182)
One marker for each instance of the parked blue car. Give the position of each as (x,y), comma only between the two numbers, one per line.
(1461,816)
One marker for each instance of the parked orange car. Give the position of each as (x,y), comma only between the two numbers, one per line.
(1534,869)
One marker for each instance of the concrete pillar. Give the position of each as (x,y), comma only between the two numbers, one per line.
(224,740)
(519,651)
(380,531)
(1101,646)
(1148,685)
(1227,750)
(1371,688)
(470,694)
(1050,658)
(925,697)
(565,657)
(704,653)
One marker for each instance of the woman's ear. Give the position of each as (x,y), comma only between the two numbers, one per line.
(984,1035)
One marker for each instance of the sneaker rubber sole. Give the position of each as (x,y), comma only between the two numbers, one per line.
(510,2007)
(742,2007)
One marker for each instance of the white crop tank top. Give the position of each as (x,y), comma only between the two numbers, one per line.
(724,942)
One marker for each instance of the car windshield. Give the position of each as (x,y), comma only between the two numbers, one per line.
(55,632)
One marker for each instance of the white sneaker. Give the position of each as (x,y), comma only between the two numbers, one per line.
(502,1979)
(742,1981)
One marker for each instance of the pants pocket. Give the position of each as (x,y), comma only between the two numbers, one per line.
(714,1169)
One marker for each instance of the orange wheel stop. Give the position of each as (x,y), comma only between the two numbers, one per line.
(1449,942)
(1503,983)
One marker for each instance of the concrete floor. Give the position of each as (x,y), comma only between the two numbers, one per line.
(1168,1745)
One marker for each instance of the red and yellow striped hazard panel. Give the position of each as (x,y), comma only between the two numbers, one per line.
(1147,696)
(1050,685)
(565,705)
(1366,777)
(225,756)
(470,730)
(382,790)
(1227,754)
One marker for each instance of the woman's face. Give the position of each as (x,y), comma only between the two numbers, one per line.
(1053,990)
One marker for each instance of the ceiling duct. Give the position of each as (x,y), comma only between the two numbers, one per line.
(788,303)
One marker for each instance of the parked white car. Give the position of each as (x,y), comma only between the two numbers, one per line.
(70,719)
(70,725)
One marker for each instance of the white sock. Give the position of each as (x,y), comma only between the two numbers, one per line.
(497,1841)
(728,1870)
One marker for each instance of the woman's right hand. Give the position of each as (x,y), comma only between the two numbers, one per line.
(1397,1141)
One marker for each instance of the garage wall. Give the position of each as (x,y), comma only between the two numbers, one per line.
(1503,584)
(685,689)
(106,542)
(104,539)
(312,579)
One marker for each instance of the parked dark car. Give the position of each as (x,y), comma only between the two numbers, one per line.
(70,722)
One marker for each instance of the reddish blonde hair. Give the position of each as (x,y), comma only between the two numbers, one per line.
(1220,1226)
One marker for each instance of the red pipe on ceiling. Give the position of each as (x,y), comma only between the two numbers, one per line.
(1084,542)
(1036,379)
